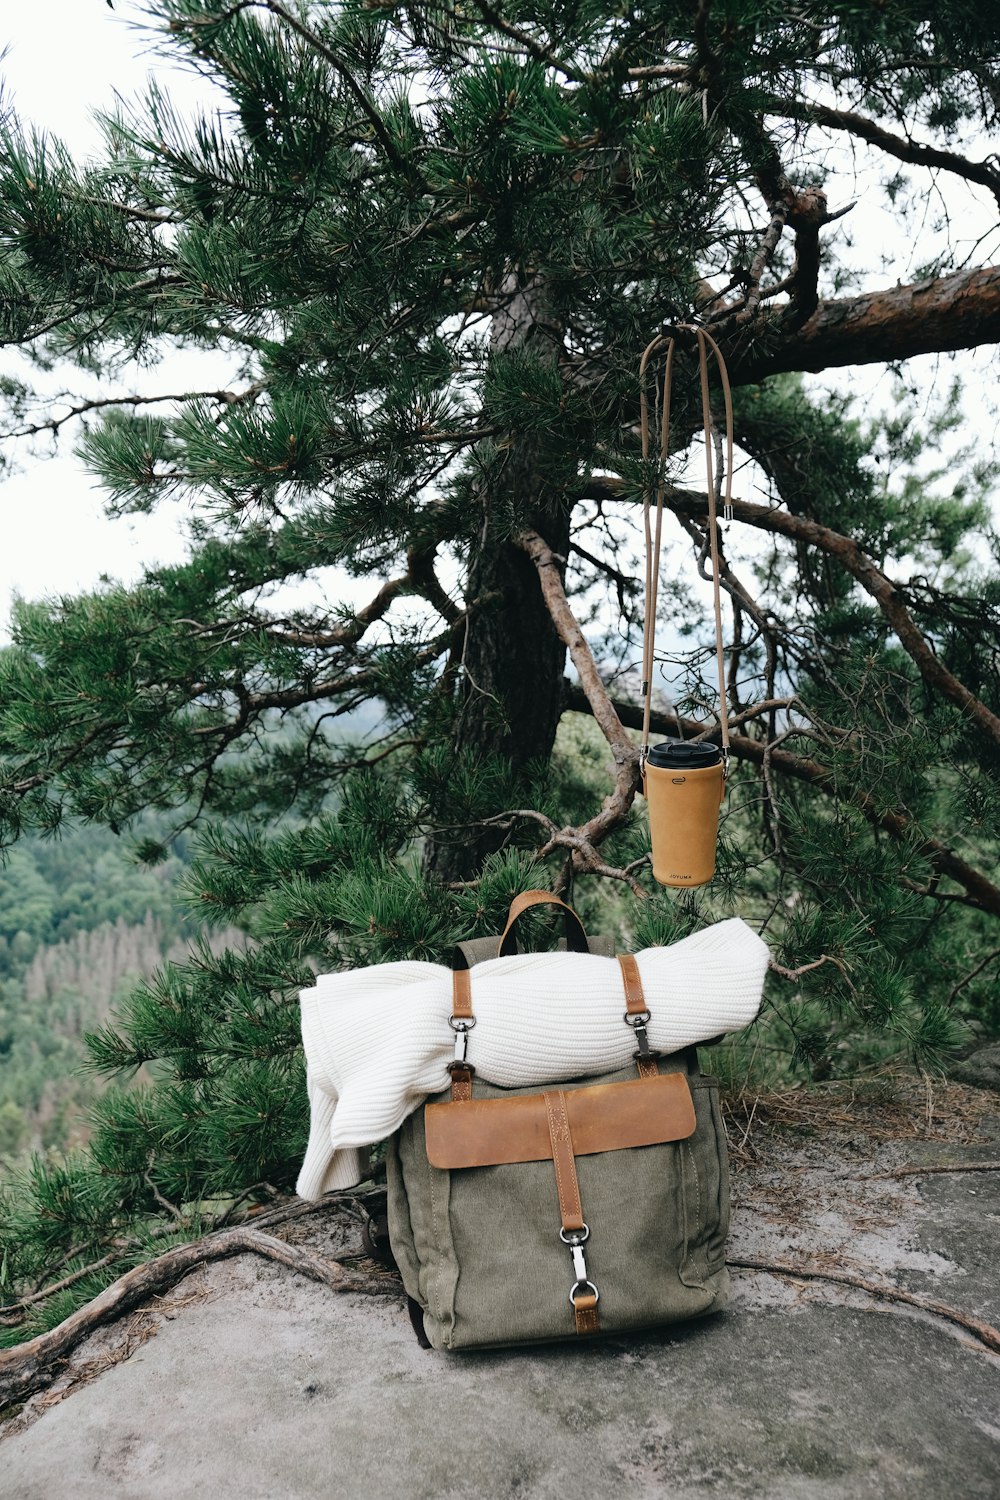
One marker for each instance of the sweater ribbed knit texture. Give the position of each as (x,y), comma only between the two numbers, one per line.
(377,1040)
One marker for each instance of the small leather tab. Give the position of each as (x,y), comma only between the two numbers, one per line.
(585,1310)
(461,1083)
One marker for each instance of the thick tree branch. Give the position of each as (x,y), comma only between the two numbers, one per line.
(928,317)
(614,810)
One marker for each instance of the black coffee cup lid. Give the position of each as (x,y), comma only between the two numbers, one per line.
(671,754)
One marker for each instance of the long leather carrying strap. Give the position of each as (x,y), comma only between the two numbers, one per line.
(653,533)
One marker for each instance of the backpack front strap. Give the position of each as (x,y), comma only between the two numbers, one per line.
(573,1232)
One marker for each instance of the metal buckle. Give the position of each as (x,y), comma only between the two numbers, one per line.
(641,1018)
(461,1026)
(638,1024)
(576,1239)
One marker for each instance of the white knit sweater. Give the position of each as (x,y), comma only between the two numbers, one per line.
(377,1040)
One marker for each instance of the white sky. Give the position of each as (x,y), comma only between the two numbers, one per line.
(66,57)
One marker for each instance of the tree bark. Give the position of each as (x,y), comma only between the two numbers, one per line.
(510,685)
(928,317)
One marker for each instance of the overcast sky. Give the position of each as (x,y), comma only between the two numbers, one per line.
(66,57)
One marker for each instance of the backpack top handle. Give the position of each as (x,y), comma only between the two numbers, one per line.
(576,933)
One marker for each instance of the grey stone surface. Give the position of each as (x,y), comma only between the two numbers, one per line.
(250,1382)
(981,1068)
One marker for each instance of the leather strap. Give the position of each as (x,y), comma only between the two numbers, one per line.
(461,995)
(576,935)
(635,1005)
(461,1011)
(635,1000)
(584,1294)
(585,1309)
(666,343)
(567,1186)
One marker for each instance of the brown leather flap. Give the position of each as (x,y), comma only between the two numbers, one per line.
(607,1117)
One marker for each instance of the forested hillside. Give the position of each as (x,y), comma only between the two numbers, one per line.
(80,921)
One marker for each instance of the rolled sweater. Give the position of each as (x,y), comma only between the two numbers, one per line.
(377,1040)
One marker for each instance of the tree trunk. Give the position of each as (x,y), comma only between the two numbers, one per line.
(511,683)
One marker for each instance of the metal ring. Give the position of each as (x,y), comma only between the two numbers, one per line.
(575,1236)
(641,1018)
(576,1287)
(461,1023)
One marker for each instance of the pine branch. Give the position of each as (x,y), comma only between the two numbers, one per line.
(103,403)
(903,148)
(852,557)
(583,841)
(525,40)
(971,975)
(360,96)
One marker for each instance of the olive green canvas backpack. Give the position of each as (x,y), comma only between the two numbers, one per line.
(597,1206)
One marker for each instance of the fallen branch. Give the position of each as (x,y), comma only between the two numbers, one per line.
(14,1313)
(32,1365)
(987,1335)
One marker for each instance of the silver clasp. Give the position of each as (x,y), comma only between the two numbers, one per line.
(461,1026)
(575,1239)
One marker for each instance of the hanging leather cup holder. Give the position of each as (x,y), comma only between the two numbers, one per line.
(683,780)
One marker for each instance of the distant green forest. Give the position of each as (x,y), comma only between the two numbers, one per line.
(80,920)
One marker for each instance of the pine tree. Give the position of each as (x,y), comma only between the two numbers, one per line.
(432,242)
